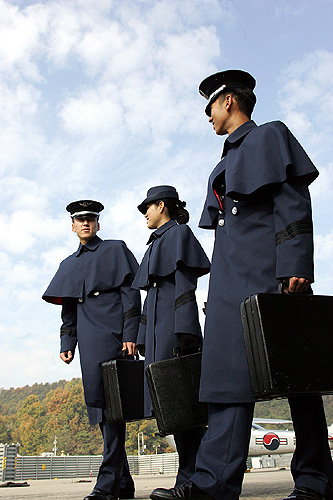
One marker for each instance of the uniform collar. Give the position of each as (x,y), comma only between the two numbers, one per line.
(90,245)
(238,134)
(161,230)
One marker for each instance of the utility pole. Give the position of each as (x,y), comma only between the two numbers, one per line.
(141,446)
(55,446)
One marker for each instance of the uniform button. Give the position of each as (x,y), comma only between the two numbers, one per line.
(154,284)
(96,294)
(234,210)
(221,222)
(80,299)
(220,212)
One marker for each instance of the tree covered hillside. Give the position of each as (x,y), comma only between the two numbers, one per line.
(34,415)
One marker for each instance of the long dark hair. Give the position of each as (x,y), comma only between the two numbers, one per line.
(176,209)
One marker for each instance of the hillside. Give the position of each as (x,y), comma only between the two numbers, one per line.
(34,415)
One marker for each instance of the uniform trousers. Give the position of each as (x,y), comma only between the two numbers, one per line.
(221,458)
(187,444)
(114,476)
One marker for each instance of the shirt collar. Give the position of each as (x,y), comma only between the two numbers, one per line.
(238,134)
(161,230)
(90,245)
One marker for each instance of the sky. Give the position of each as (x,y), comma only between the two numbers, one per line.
(99,100)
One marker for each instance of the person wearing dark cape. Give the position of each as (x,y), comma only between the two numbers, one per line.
(259,206)
(169,272)
(100,314)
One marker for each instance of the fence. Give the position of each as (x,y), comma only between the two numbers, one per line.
(15,467)
(8,461)
(18,468)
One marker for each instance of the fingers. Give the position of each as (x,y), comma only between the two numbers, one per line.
(298,285)
(130,346)
(66,356)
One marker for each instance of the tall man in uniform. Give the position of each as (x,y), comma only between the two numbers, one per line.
(100,313)
(259,205)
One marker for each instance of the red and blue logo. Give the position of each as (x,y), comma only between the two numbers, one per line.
(271,441)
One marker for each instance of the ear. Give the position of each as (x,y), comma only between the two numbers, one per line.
(228,101)
(161,206)
(73,227)
(98,227)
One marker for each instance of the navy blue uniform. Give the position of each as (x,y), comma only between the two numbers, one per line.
(263,233)
(100,311)
(259,206)
(169,272)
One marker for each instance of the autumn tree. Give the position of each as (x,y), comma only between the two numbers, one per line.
(31,429)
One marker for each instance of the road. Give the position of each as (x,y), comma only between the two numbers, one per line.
(265,484)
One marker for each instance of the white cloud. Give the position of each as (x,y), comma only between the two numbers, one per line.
(322,188)
(94,112)
(21,34)
(324,247)
(306,99)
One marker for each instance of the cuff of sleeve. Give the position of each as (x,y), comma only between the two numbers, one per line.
(67,344)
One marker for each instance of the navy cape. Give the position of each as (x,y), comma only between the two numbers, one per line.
(169,272)
(269,154)
(115,261)
(100,309)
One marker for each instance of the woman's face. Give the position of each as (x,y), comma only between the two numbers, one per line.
(155,215)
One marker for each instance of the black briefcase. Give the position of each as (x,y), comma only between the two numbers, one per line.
(174,390)
(123,381)
(289,344)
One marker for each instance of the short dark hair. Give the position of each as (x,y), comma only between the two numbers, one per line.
(245,98)
(176,209)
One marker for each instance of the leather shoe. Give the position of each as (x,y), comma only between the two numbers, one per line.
(186,491)
(126,494)
(98,494)
(301,493)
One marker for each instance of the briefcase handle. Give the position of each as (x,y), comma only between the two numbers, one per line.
(282,286)
(125,355)
(188,344)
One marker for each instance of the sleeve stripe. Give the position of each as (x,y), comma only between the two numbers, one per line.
(143,319)
(132,313)
(184,298)
(292,230)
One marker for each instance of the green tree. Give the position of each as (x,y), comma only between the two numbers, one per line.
(31,431)
(153,442)
(6,435)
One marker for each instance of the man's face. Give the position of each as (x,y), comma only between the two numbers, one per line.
(219,116)
(85,227)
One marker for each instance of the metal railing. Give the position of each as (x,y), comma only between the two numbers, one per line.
(15,467)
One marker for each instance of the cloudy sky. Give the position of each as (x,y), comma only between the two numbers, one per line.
(99,100)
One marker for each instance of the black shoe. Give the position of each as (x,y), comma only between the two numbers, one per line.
(98,494)
(186,491)
(126,494)
(301,493)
